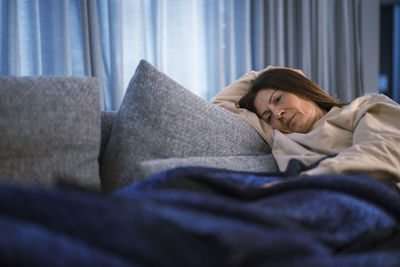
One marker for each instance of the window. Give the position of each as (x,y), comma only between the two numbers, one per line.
(389,77)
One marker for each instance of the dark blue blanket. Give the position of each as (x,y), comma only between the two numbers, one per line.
(205,217)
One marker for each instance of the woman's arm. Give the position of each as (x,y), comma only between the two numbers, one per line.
(230,96)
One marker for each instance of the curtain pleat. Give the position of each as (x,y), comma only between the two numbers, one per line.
(10,41)
(55,37)
(93,60)
(257,29)
(30,49)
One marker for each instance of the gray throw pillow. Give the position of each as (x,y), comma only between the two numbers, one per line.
(50,131)
(160,119)
(107,120)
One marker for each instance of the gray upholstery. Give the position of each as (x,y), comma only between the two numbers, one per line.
(107,120)
(50,130)
(159,119)
(237,163)
(261,163)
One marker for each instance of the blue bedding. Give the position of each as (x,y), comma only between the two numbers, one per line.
(197,216)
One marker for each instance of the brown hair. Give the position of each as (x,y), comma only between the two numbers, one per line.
(290,81)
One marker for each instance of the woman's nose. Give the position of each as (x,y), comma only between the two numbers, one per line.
(278,113)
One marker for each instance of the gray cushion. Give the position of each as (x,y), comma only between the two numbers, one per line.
(262,163)
(160,119)
(50,131)
(107,120)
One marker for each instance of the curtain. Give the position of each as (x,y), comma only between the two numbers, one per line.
(203,44)
(33,32)
(321,37)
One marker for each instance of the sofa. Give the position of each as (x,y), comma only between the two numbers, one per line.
(169,179)
(173,127)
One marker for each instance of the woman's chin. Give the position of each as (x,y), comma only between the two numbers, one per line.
(299,129)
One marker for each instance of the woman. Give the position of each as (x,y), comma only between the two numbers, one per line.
(311,126)
(287,100)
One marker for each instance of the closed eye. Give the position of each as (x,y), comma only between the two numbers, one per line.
(267,116)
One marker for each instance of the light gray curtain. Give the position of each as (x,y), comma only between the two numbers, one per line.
(29,30)
(92,48)
(207,44)
(50,37)
(321,37)
(203,44)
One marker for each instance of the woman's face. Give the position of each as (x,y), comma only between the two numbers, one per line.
(286,111)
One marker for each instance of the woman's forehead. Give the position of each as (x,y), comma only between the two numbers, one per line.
(262,100)
(264,95)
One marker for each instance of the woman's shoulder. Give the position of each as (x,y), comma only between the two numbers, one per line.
(350,115)
(366,102)
(372,99)
(378,104)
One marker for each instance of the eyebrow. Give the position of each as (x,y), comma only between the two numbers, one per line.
(269,101)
